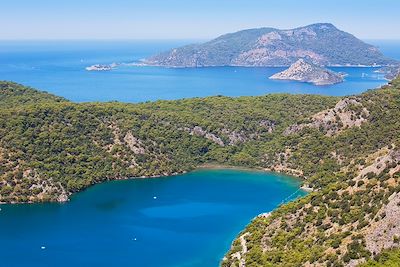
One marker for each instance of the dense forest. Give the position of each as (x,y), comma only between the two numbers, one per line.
(346,149)
(352,161)
(50,147)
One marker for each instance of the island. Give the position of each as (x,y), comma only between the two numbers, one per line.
(322,43)
(98,67)
(102,67)
(304,71)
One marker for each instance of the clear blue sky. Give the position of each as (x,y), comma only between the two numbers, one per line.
(188,19)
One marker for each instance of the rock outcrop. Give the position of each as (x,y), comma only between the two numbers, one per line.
(347,113)
(385,232)
(198,131)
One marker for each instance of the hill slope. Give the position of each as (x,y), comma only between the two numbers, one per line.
(346,149)
(351,157)
(321,44)
(50,149)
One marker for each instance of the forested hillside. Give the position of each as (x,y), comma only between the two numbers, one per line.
(346,149)
(50,148)
(350,156)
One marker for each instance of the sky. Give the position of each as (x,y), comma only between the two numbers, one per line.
(189,19)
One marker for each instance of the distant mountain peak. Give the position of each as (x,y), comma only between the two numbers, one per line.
(320,43)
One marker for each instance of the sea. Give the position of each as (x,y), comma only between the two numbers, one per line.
(188,220)
(179,221)
(59,68)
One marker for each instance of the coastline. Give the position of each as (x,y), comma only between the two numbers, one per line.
(204,166)
(145,64)
(217,166)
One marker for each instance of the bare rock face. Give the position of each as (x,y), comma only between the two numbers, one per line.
(234,137)
(198,131)
(304,71)
(269,125)
(384,233)
(392,158)
(347,113)
(134,143)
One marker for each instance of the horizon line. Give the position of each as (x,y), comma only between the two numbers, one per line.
(145,39)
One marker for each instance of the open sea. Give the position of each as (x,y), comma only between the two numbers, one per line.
(182,221)
(59,67)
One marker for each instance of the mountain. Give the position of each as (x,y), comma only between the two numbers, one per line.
(321,44)
(304,71)
(346,149)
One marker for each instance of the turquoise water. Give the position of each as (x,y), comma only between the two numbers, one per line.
(59,67)
(194,217)
(192,221)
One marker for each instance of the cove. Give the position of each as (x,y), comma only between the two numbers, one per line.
(185,220)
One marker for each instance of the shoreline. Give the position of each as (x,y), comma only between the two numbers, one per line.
(204,166)
(216,166)
(144,64)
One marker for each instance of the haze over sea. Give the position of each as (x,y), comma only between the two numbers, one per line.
(59,67)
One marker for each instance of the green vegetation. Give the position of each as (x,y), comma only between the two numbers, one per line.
(386,259)
(321,42)
(51,148)
(329,226)
(13,95)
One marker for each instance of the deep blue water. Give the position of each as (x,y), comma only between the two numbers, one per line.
(59,67)
(192,221)
(195,216)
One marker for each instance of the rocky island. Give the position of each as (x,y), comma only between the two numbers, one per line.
(304,71)
(321,43)
(100,67)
